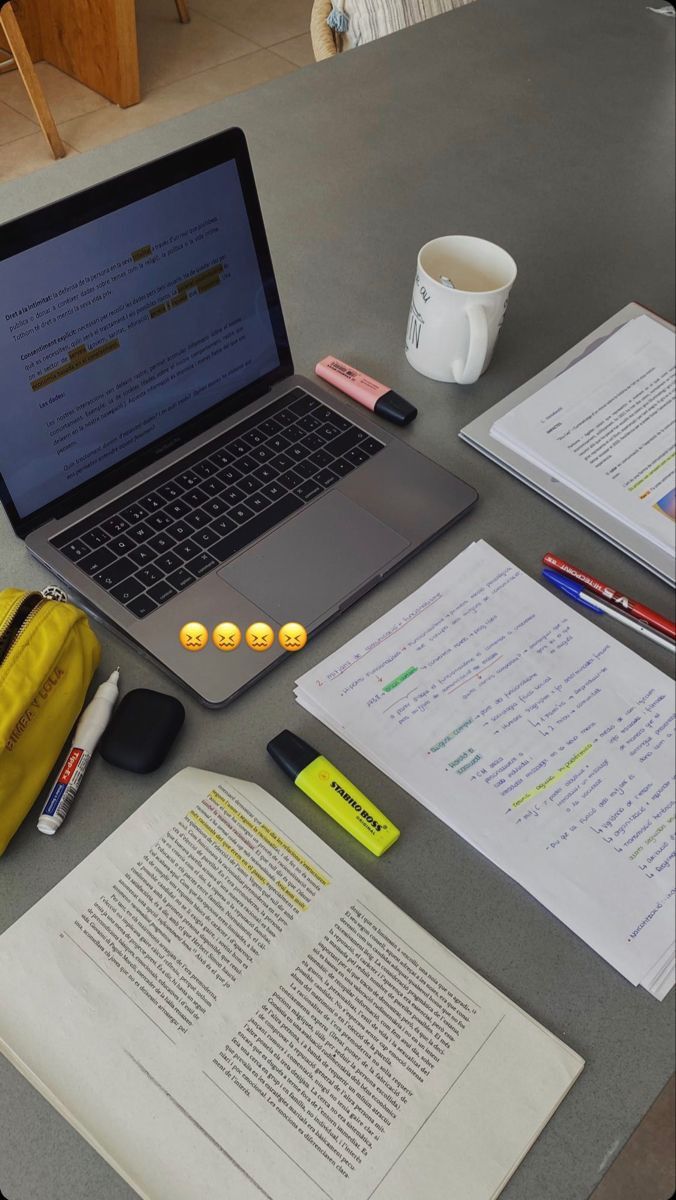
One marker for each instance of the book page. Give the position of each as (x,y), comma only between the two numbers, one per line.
(606,426)
(534,734)
(240,1013)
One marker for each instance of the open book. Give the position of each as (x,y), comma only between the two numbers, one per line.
(242,1015)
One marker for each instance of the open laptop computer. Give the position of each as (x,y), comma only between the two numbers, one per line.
(157,452)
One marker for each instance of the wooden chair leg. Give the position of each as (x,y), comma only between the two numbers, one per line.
(182,10)
(22,58)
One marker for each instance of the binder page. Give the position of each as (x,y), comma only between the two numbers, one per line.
(606,426)
(224,1007)
(532,733)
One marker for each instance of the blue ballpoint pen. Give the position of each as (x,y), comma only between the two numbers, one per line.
(577,592)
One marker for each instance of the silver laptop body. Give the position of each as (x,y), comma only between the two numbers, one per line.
(165,375)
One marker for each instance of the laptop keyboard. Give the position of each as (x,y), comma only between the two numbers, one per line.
(162,536)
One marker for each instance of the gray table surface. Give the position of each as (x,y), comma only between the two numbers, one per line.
(549,129)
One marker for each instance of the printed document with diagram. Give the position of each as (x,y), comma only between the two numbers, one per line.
(242,1015)
(607,427)
(593,432)
(535,735)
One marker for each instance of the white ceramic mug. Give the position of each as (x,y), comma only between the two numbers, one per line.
(452,331)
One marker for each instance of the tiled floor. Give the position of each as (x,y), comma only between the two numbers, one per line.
(229,46)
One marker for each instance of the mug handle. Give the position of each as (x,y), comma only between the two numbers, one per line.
(470,370)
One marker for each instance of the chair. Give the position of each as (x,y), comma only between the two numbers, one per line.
(182,10)
(20,56)
(333,30)
(324,43)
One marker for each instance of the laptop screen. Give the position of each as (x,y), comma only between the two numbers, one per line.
(125,328)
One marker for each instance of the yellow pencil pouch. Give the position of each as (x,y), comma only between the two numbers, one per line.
(48,656)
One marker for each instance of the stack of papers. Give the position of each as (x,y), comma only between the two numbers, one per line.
(605,427)
(533,734)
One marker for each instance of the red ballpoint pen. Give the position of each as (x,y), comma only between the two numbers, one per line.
(640,611)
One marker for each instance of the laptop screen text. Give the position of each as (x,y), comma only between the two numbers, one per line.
(123,329)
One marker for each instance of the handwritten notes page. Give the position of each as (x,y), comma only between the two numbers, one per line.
(240,1014)
(606,427)
(532,733)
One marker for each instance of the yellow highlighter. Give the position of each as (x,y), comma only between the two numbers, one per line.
(333,792)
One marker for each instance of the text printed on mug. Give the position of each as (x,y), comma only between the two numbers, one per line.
(415,317)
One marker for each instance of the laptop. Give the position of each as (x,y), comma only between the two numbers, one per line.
(157,452)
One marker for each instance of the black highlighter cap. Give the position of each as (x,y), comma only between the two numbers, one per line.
(291,753)
(394,408)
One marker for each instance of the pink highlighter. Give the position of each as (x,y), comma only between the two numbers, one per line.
(376,396)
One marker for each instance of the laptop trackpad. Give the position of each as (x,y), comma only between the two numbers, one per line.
(320,557)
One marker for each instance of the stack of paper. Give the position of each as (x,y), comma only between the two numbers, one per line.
(606,428)
(536,736)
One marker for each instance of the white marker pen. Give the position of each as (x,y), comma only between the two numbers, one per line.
(88,730)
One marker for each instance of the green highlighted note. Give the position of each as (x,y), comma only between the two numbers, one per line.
(389,687)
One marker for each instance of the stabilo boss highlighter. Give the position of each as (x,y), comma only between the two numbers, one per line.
(366,391)
(333,792)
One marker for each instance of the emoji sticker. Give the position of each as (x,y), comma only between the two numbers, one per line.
(226,636)
(292,636)
(259,636)
(193,636)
